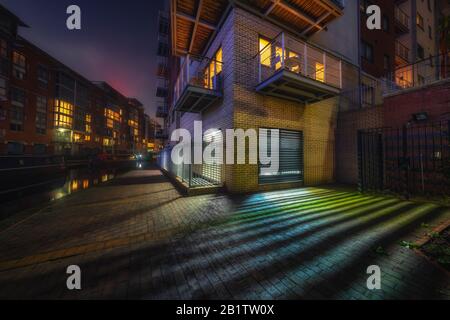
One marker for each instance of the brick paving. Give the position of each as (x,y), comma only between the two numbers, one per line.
(136,237)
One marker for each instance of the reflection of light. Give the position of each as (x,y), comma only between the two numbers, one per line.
(59,195)
(74,185)
(139,165)
(85,184)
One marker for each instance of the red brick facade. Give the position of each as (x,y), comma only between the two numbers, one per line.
(434,100)
(47,108)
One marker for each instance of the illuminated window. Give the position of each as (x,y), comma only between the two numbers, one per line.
(320,72)
(419,20)
(63,107)
(279,57)
(264,51)
(76,137)
(213,70)
(107,142)
(296,67)
(87,138)
(88,118)
(63,114)
(110,123)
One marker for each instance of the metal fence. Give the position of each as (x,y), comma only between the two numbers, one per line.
(193,175)
(412,160)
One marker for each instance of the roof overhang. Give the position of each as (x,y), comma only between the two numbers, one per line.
(195,22)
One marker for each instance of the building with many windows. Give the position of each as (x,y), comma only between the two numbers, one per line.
(263,65)
(48,108)
(310,69)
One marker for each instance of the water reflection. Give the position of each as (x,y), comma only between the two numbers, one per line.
(78,180)
(74,181)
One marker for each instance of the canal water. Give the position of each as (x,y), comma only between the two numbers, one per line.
(75,180)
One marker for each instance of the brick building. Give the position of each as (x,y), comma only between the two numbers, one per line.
(48,108)
(265,65)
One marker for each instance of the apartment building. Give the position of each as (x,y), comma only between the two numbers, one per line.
(163,73)
(48,108)
(263,65)
(417,40)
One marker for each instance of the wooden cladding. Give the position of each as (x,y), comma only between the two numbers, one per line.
(194,22)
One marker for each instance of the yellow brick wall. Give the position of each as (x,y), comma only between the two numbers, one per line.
(253,110)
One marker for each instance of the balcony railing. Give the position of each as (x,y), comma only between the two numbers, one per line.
(419,74)
(402,51)
(191,175)
(199,83)
(311,70)
(402,19)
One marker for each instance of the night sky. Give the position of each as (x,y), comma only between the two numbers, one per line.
(117,43)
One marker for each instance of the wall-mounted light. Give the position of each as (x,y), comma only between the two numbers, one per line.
(421,116)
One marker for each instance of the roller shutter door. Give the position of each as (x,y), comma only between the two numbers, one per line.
(291,159)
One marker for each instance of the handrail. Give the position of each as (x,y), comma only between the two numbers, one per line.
(287,53)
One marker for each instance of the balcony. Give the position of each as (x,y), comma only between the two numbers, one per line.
(291,69)
(161,112)
(401,21)
(401,54)
(199,84)
(197,21)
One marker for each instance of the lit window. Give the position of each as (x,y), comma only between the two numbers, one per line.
(264,52)
(419,20)
(87,138)
(278,57)
(320,72)
(213,70)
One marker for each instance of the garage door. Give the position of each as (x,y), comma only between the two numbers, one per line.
(291,159)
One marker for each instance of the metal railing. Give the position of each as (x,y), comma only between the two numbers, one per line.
(199,72)
(193,175)
(418,74)
(287,53)
(401,17)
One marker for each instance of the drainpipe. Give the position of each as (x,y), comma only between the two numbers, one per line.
(358,10)
(414,37)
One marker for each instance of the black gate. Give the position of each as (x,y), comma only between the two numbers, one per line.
(413,160)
